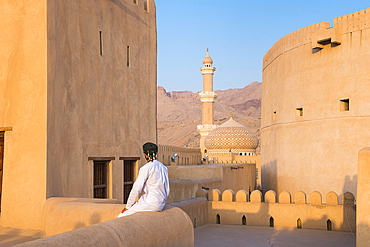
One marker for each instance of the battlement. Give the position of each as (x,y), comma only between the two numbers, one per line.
(283,210)
(341,25)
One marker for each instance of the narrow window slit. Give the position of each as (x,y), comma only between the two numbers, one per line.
(329,225)
(101,42)
(299,223)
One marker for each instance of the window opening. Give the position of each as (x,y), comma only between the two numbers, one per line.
(244,220)
(101,42)
(146,6)
(135,1)
(129,177)
(324,41)
(329,225)
(218,219)
(299,112)
(101,179)
(299,223)
(271,222)
(344,104)
(128,56)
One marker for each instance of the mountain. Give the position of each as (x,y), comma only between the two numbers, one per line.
(179,113)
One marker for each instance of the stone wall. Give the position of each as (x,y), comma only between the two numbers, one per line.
(363,199)
(186,156)
(141,229)
(309,141)
(185,181)
(79,85)
(283,211)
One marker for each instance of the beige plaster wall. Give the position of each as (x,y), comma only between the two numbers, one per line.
(185,181)
(97,105)
(65,102)
(316,151)
(186,156)
(285,214)
(363,199)
(195,208)
(23,97)
(124,232)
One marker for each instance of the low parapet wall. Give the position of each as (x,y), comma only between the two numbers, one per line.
(171,227)
(63,214)
(241,209)
(186,156)
(196,208)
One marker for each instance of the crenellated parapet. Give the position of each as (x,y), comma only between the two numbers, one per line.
(319,34)
(283,210)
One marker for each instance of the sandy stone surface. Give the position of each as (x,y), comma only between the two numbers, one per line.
(231,235)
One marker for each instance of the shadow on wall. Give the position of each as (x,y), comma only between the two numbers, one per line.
(349,184)
(269,176)
(348,198)
(94,219)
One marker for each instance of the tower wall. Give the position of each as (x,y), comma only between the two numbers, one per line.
(101,94)
(69,94)
(23,97)
(309,141)
(207,82)
(208,112)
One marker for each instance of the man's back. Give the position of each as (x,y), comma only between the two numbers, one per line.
(156,186)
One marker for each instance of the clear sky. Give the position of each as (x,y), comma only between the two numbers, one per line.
(238,34)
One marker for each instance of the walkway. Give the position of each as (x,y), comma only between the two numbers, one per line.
(214,235)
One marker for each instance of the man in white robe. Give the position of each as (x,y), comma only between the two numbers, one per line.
(153,181)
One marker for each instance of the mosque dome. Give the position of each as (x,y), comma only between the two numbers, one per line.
(207,59)
(233,136)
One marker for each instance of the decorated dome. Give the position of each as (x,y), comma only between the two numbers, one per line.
(207,59)
(233,136)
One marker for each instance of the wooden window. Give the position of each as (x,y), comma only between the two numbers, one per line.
(101,179)
(129,178)
(1,162)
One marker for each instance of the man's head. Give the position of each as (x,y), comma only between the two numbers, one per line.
(150,150)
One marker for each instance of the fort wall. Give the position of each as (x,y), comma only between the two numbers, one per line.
(186,156)
(78,86)
(161,228)
(185,181)
(315,106)
(23,99)
(283,210)
(363,199)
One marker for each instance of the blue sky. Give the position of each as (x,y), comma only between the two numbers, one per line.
(238,34)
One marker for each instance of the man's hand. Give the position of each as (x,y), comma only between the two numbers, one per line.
(124,210)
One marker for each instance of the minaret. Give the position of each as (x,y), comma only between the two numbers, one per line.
(207,97)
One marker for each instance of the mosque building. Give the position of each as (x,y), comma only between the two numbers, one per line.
(230,141)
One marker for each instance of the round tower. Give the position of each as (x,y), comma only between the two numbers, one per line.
(207,97)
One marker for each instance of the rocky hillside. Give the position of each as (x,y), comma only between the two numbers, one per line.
(179,113)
